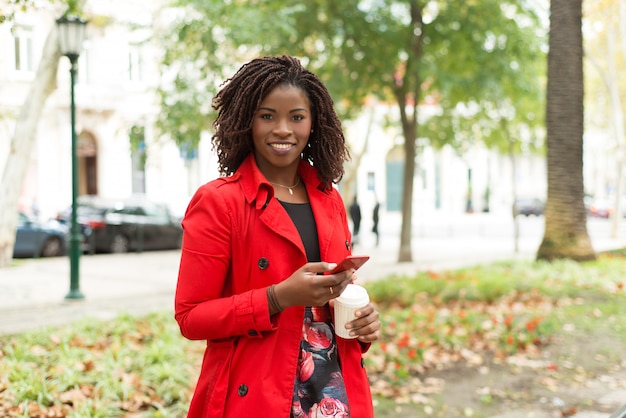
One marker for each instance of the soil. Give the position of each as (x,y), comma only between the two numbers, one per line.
(574,373)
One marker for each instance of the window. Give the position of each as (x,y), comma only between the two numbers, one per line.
(137,138)
(371,181)
(135,63)
(23,49)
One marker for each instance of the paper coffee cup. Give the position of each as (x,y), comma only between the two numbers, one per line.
(351,299)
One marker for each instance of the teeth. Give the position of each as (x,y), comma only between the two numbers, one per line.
(281,146)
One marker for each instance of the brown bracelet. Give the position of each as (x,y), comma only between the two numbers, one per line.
(276,304)
(271,298)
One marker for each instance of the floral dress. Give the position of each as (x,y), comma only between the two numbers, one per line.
(319,389)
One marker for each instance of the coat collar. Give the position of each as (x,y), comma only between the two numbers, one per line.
(325,201)
(256,187)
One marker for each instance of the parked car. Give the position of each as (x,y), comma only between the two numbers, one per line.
(119,226)
(603,208)
(600,208)
(528,206)
(34,238)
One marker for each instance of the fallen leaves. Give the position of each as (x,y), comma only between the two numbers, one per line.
(132,367)
(435,335)
(106,369)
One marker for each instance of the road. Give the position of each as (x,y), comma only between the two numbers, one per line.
(32,293)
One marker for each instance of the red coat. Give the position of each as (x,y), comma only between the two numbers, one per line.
(237,241)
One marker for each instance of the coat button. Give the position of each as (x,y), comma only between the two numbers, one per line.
(252,333)
(347,245)
(263,263)
(243,390)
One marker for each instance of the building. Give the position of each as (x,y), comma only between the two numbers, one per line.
(120,153)
(118,150)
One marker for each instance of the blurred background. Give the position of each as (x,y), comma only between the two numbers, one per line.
(443,103)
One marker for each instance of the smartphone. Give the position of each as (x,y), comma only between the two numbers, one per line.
(351,261)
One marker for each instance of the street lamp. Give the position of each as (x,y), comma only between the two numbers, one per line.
(71,35)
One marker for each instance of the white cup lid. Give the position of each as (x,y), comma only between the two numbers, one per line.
(354,295)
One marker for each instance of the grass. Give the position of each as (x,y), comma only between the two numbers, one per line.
(98,369)
(142,367)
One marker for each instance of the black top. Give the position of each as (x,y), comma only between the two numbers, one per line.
(302,216)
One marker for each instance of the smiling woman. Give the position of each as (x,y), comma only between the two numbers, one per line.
(255,246)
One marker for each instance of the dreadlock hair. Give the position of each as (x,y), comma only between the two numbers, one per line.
(239,98)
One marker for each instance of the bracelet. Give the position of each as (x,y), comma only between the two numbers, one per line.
(271,295)
(271,298)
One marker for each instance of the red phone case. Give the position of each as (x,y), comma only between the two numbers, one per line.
(351,261)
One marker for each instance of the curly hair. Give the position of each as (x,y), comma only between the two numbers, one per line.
(239,97)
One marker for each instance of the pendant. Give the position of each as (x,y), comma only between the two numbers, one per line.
(290,191)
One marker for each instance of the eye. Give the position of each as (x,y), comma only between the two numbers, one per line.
(265,116)
(298,117)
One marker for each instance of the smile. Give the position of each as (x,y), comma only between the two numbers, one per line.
(281,146)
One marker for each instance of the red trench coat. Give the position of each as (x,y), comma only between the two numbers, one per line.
(237,241)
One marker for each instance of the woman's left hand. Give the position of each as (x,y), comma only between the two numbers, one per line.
(366,326)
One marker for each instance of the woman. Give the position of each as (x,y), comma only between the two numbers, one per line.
(256,245)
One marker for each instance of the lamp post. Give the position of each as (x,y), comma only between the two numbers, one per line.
(71,35)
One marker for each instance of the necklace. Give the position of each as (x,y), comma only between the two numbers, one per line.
(290,188)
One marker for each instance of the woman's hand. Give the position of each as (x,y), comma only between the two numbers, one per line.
(308,286)
(366,326)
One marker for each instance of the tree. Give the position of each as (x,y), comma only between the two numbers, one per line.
(452,52)
(565,234)
(24,136)
(507,118)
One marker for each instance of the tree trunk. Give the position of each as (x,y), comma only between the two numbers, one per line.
(565,234)
(409,126)
(23,142)
(405,253)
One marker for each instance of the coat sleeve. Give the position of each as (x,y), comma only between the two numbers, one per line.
(205,307)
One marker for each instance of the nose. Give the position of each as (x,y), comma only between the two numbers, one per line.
(282,128)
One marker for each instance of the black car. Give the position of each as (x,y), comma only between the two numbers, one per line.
(119,226)
(39,239)
(528,207)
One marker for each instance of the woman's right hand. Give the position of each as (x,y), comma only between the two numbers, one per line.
(309,286)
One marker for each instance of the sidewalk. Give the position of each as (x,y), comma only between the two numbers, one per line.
(32,293)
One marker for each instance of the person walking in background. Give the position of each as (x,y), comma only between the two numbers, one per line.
(355,215)
(257,244)
(375,219)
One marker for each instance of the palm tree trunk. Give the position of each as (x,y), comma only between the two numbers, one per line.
(565,234)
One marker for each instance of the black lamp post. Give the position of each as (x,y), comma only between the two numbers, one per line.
(71,35)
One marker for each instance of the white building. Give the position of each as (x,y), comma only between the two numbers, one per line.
(443,177)
(120,155)
(115,100)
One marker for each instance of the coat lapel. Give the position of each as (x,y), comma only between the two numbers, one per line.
(326,208)
(326,211)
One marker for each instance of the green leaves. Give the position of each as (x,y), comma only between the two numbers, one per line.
(486,52)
